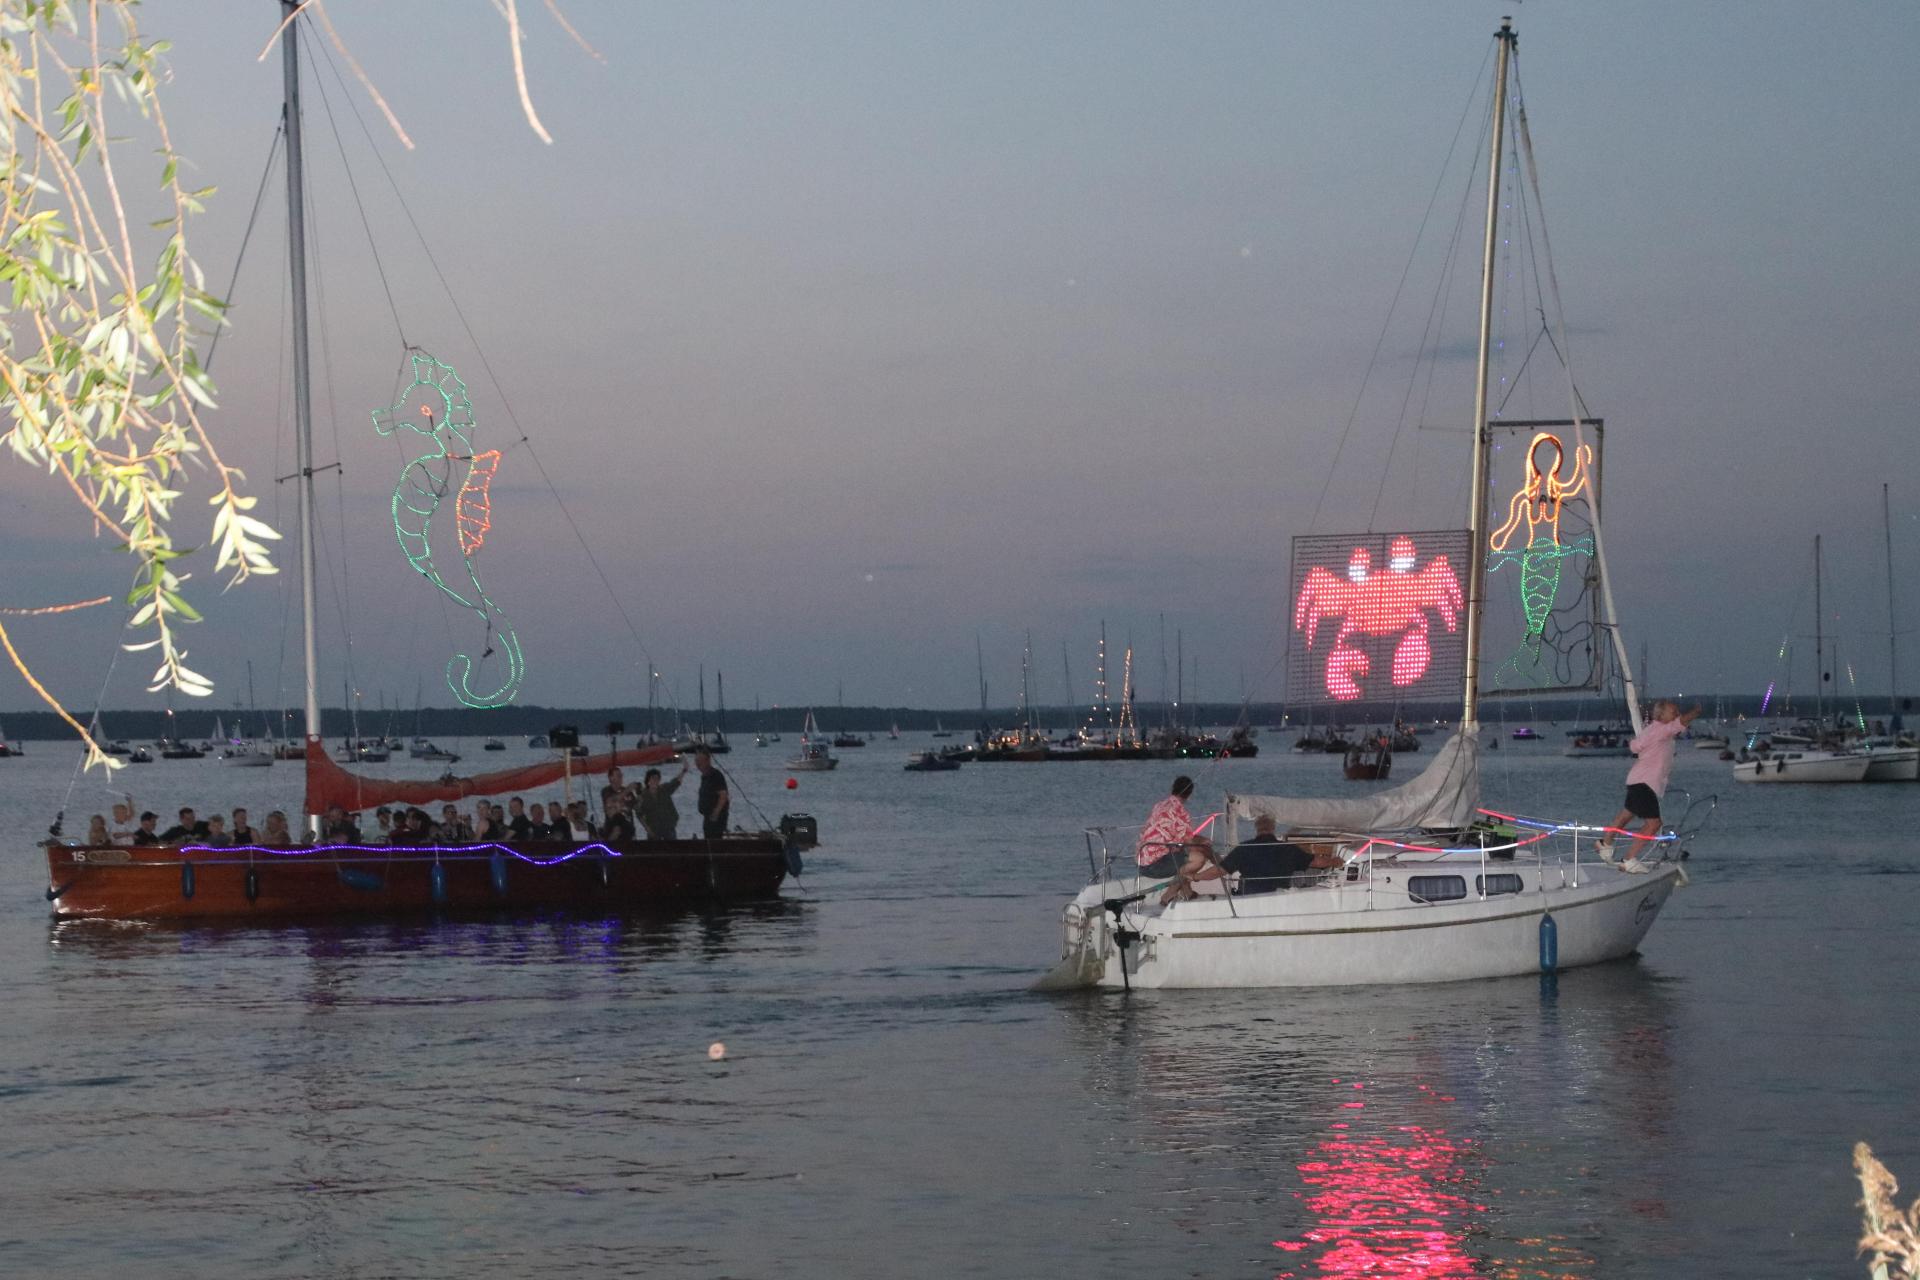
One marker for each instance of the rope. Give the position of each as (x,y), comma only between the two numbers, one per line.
(233,284)
(1380,342)
(372,247)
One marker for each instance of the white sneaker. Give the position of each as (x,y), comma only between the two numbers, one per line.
(1605,849)
(1635,866)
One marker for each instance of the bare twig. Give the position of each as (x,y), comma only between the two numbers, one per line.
(553,7)
(520,75)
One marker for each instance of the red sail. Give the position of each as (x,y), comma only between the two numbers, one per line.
(329,784)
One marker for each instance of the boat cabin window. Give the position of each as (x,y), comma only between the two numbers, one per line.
(1491,885)
(1436,888)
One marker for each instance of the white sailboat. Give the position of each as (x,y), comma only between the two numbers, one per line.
(815,754)
(1797,758)
(1429,886)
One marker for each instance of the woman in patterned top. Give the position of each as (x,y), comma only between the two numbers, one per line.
(1167,844)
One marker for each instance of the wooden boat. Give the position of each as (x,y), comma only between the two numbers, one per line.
(199,882)
(196,881)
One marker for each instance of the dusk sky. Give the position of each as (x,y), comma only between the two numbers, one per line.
(849,331)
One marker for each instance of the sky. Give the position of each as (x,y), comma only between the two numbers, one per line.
(846,333)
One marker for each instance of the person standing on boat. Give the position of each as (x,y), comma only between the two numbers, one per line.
(714,800)
(123,825)
(659,816)
(1163,846)
(1647,781)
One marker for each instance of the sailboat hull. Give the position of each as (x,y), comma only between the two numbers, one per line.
(1808,766)
(181,883)
(1351,935)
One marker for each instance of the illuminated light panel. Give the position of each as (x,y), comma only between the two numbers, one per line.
(445,419)
(1377,615)
(1537,503)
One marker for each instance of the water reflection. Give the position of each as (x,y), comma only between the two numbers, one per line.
(618,942)
(1489,1129)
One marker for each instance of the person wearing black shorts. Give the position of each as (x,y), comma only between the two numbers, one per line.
(1645,782)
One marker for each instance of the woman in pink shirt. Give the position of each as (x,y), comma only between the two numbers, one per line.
(1647,781)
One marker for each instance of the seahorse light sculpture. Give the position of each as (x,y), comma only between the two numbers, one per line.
(1537,501)
(435,405)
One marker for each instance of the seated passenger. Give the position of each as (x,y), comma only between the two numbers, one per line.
(145,833)
(216,832)
(453,829)
(1166,845)
(187,830)
(97,833)
(1266,862)
(276,832)
(617,826)
(241,832)
(537,822)
(123,822)
(518,823)
(338,827)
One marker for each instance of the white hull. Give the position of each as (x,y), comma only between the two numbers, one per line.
(248,760)
(1582,753)
(1894,764)
(812,766)
(1350,935)
(1804,766)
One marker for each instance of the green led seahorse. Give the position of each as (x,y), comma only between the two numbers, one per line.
(444,416)
(1538,501)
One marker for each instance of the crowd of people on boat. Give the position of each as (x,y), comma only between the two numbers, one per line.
(627,812)
(1171,846)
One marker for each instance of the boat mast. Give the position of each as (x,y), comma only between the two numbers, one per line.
(302,374)
(1476,513)
(1819,644)
(1893,627)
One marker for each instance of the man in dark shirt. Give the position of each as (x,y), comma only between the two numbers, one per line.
(519,825)
(1266,862)
(617,826)
(188,828)
(242,832)
(145,833)
(338,827)
(714,799)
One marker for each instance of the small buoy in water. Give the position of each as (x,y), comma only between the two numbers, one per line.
(716,1051)
(793,784)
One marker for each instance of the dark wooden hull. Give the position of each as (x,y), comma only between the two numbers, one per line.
(174,883)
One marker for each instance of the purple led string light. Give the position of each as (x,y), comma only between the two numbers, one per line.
(470,850)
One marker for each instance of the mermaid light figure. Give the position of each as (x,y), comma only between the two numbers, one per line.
(442,414)
(1538,501)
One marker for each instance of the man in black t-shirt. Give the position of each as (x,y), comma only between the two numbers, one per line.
(1266,862)
(714,799)
(188,828)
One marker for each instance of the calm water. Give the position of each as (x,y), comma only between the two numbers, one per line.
(532,1097)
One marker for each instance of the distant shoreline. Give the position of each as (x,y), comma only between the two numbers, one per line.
(511,722)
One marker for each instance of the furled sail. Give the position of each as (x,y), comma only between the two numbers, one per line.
(329,784)
(1446,794)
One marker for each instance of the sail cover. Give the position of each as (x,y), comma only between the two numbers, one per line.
(1446,794)
(329,784)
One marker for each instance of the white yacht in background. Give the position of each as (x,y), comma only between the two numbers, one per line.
(1804,764)
(816,756)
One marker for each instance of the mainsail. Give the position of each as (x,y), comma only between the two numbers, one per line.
(329,784)
(1444,795)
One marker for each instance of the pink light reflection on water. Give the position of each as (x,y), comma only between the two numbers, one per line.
(1387,1205)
